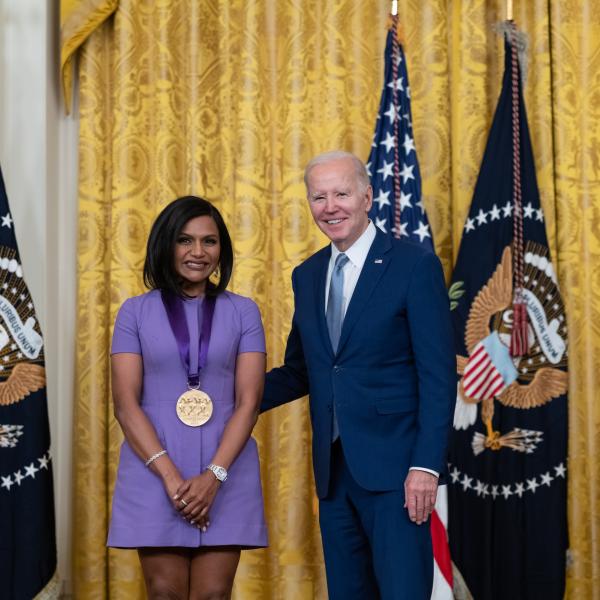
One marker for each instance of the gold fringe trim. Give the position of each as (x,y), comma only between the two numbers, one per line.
(460,591)
(51,590)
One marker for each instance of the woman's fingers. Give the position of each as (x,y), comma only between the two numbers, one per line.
(193,500)
(182,490)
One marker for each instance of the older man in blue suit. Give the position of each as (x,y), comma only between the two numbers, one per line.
(371,342)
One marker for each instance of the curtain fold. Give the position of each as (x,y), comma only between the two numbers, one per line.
(575,67)
(78,20)
(229,99)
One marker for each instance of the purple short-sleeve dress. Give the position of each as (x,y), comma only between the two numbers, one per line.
(142,514)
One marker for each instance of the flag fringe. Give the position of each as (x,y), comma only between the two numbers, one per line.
(51,590)
(459,587)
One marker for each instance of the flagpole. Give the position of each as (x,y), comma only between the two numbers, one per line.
(394,8)
(509,10)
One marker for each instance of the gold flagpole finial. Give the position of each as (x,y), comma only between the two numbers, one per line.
(509,10)
(394,8)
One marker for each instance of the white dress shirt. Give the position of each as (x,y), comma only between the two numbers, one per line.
(357,255)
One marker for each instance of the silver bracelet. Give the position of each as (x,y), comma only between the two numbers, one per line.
(154,457)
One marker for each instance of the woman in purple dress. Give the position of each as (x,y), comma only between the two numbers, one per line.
(188,363)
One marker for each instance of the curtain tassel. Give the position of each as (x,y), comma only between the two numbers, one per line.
(519,342)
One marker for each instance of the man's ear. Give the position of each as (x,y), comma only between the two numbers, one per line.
(369,195)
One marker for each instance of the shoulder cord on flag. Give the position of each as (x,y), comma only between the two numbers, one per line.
(395,57)
(518,341)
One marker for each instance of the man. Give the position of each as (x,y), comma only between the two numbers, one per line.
(371,342)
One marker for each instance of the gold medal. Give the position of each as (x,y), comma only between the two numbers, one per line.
(194,408)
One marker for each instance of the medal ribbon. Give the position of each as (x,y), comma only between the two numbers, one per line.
(176,314)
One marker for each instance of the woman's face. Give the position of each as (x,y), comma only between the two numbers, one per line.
(197,252)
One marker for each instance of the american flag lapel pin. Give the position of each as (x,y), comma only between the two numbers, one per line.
(378,261)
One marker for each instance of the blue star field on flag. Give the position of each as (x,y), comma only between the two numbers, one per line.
(380,166)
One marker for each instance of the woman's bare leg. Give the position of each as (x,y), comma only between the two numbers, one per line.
(166,572)
(212,571)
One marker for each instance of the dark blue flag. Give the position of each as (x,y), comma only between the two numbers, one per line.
(395,176)
(27,537)
(507,474)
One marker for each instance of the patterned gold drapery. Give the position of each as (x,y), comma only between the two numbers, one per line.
(78,20)
(229,99)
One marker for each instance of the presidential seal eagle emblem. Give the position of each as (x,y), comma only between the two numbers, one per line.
(21,345)
(490,374)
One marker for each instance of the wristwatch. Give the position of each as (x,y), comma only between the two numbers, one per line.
(219,472)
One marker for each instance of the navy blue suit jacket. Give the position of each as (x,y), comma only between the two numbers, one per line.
(393,378)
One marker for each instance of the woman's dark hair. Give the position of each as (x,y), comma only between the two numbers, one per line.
(159,270)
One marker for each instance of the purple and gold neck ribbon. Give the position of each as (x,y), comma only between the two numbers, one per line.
(174,306)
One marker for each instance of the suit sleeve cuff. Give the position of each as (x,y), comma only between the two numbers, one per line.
(426,470)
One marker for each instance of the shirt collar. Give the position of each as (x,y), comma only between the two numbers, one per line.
(357,253)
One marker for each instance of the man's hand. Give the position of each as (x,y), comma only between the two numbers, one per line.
(420,490)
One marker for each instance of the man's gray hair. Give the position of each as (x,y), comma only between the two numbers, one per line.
(361,172)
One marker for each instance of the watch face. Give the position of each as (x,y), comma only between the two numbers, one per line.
(220,472)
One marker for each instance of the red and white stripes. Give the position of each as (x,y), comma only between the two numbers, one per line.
(442,574)
(481,379)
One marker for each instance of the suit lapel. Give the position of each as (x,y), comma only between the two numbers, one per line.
(375,265)
(320,297)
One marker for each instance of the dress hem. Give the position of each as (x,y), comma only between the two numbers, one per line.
(249,537)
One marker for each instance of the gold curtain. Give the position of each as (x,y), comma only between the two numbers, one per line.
(229,99)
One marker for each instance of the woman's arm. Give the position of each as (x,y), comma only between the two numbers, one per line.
(127,372)
(199,491)
(249,383)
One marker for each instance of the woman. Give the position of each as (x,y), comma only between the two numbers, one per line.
(188,363)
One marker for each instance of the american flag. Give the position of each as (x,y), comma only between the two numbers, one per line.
(395,176)
(398,210)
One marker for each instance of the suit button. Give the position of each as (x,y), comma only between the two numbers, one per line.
(336,369)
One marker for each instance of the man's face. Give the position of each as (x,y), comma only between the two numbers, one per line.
(338,203)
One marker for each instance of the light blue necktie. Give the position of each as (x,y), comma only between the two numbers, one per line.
(335,316)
